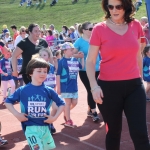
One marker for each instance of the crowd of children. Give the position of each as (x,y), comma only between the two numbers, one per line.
(52,86)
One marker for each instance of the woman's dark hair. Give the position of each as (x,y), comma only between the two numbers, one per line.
(83,26)
(65,27)
(146,49)
(127,6)
(31,26)
(50,32)
(36,63)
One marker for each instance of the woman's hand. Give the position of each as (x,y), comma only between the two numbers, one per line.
(98,95)
(15,73)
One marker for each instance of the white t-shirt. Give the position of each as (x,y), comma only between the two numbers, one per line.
(18,39)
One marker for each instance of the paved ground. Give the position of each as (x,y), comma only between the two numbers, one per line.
(86,136)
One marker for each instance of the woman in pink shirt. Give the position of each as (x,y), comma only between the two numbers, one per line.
(119,87)
(50,38)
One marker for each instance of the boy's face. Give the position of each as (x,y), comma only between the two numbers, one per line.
(39,75)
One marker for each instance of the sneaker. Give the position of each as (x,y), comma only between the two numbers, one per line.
(3,142)
(52,129)
(95,117)
(89,113)
(69,123)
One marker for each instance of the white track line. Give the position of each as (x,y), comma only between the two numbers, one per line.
(86,143)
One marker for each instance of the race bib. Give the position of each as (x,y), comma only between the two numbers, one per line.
(8,68)
(73,69)
(50,80)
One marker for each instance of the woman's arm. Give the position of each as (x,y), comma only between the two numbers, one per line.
(90,66)
(78,54)
(15,54)
(140,59)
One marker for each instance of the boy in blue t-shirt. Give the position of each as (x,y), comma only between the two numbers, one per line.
(35,100)
(66,80)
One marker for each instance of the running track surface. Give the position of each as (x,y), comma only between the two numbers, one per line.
(86,136)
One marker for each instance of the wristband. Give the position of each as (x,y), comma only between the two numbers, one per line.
(94,88)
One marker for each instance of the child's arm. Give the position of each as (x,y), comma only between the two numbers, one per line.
(20,116)
(9,104)
(53,118)
(2,72)
(58,84)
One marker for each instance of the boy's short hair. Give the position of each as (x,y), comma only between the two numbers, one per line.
(13,26)
(36,63)
(146,49)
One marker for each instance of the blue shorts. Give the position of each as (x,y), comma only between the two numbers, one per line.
(39,138)
(69,95)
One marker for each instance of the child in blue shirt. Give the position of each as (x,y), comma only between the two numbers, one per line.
(6,74)
(18,80)
(146,69)
(68,68)
(50,80)
(35,100)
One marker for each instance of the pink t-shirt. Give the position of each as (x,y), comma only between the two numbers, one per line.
(50,40)
(118,52)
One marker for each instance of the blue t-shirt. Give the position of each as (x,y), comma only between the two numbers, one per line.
(19,66)
(68,69)
(83,46)
(6,67)
(51,77)
(146,69)
(35,101)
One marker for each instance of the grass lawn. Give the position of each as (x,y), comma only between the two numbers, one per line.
(63,13)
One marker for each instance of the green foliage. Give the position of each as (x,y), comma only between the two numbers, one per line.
(63,13)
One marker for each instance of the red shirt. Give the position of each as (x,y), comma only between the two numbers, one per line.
(118,52)
(15,35)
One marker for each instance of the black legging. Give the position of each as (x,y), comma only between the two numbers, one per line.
(25,78)
(128,96)
(85,81)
